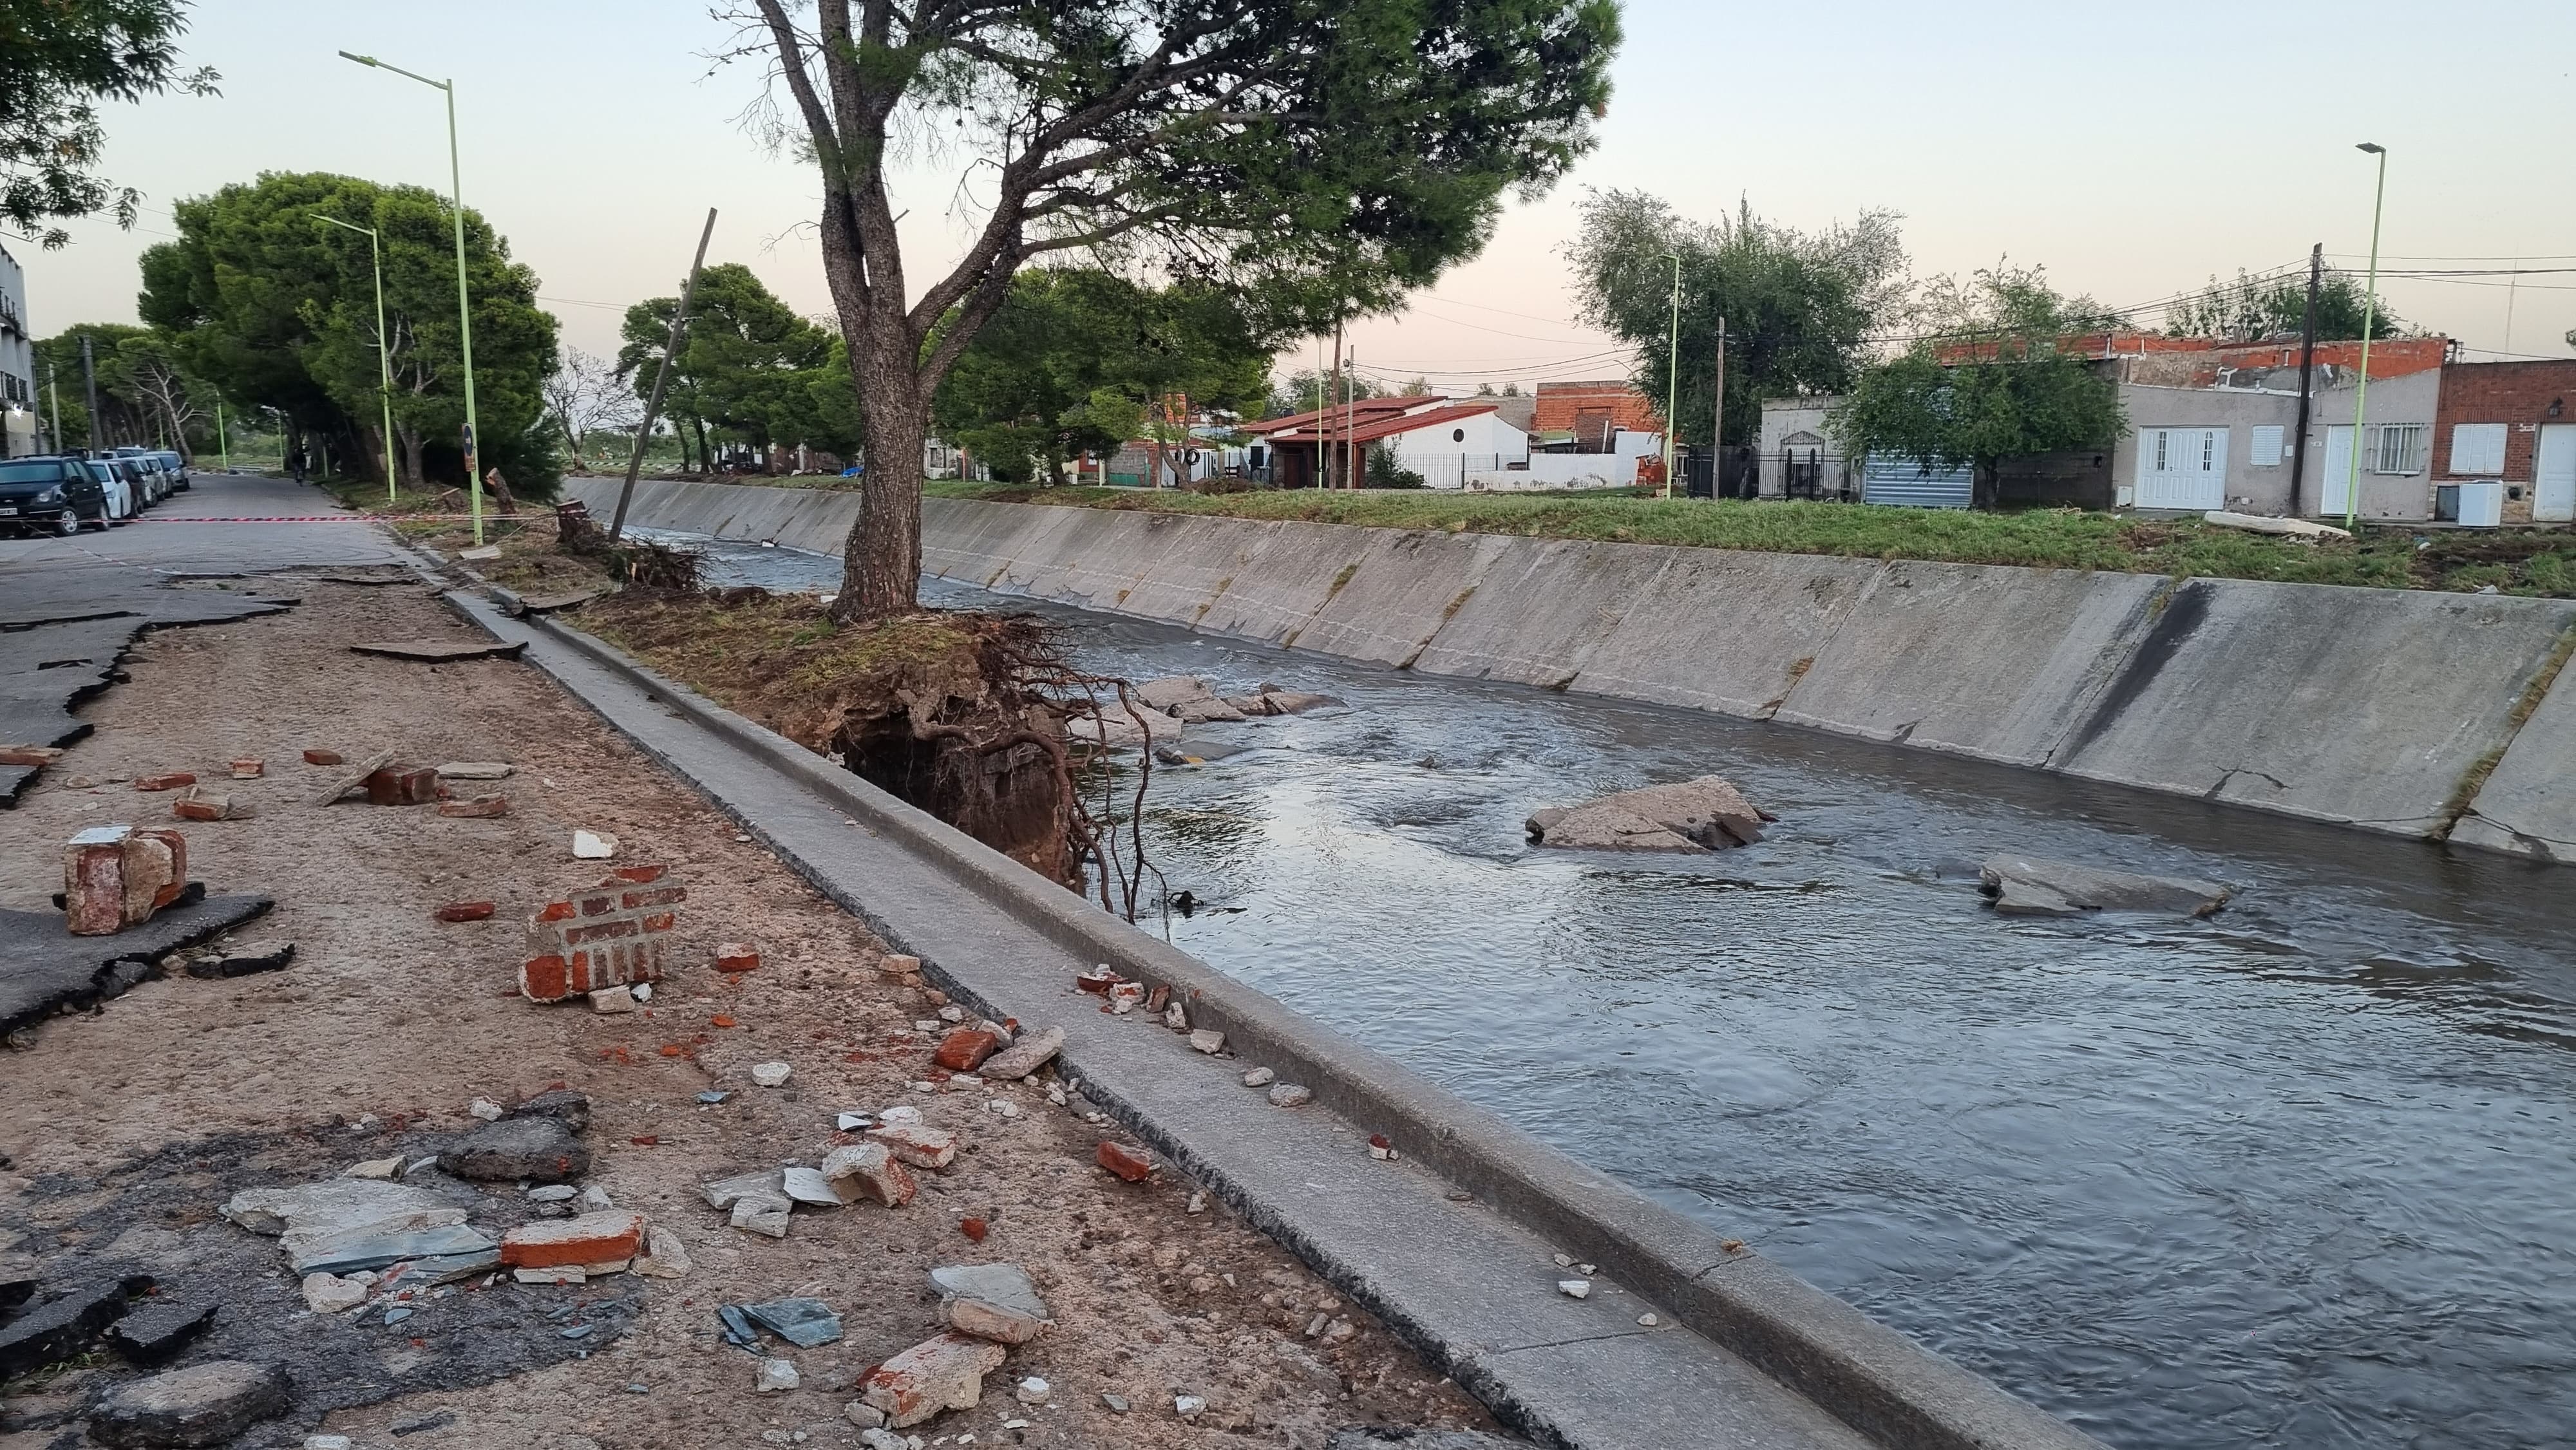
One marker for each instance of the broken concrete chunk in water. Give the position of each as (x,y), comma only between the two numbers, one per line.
(805,1323)
(203,1404)
(1706,814)
(535,1148)
(1025,1056)
(946,1373)
(999,1302)
(1173,691)
(2029,886)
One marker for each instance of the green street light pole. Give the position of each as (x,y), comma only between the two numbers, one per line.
(464,304)
(384,355)
(2369,320)
(1673,372)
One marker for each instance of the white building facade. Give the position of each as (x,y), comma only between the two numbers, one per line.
(19,434)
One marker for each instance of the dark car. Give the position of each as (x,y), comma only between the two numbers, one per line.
(57,495)
(176,467)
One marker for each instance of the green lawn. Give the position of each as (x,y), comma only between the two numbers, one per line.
(2533,562)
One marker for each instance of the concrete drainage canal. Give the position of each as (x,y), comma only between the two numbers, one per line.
(2293,1174)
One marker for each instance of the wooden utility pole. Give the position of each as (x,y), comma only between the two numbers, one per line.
(2307,364)
(661,377)
(1351,423)
(1717,426)
(1332,393)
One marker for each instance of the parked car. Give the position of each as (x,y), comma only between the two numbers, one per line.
(171,471)
(50,494)
(151,479)
(177,468)
(122,500)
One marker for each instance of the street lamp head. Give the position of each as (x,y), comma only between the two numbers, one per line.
(360,59)
(2373,147)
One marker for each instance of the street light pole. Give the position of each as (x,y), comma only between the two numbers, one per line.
(2369,319)
(464,304)
(1673,373)
(384,354)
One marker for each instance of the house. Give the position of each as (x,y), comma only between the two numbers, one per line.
(1447,441)
(18,429)
(2513,423)
(1588,417)
(2201,448)
(1798,456)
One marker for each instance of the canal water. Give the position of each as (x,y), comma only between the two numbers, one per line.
(2298,1175)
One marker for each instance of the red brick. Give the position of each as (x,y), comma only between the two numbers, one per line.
(664,897)
(974,1229)
(195,807)
(1097,983)
(965,1049)
(661,921)
(555,911)
(466,911)
(171,780)
(736,956)
(29,755)
(480,806)
(597,903)
(1133,1164)
(398,786)
(591,1238)
(323,757)
(545,979)
(638,874)
(249,767)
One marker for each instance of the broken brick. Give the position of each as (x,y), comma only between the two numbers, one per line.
(591,1238)
(29,754)
(965,1049)
(323,757)
(1133,1164)
(869,1170)
(480,806)
(974,1229)
(396,786)
(467,911)
(170,780)
(609,936)
(736,956)
(116,876)
(946,1373)
(1097,982)
(249,767)
(918,1144)
(195,806)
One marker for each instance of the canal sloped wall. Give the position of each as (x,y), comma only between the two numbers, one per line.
(2413,713)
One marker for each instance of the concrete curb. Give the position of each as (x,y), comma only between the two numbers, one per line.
(1867,1376)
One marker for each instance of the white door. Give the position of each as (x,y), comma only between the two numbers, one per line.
(2337,483)
(2182,468)
(2553,482)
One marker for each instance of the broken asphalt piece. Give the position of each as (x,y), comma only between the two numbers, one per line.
(998,1302)
(805,1323)
(1025,1056)
(351,778)
(2029,886)
(153,1332)
(1706,814)
(592,1238)
(243,960)
(946,1373)
(44,969)
(1272,700)
(63,1327)
(116,876)
(432,651)
(204,1404)
(539,1149)
(415,1424)
(565,1106)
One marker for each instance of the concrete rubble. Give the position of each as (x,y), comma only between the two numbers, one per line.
(1024,1056)
(999,1302)
(945,1373)
(868,1170)
(1706,814)
(515,1149)
(203,1404)
(2029,886)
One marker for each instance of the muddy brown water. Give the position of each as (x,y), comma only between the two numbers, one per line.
(2298,1175)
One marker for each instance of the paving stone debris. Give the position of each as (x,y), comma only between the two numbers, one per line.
(1024,1056)
(2030,886)
(203,1404)
(999,1302)
(351,778)
(761,1214)
(1706,814)
(612,935)
(533,1148)
(809,1186)
(436,652)
(375,1168)
(474,770)
(805,1323)
(946,1373)
(116,876)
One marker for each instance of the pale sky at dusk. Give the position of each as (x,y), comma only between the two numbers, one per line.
(2133,151)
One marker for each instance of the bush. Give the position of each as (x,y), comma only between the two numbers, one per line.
(1385,472)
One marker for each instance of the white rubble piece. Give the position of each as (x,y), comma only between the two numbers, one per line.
(1290,1095)
(1024,1056)
(1208,1041)
(809,1186)
(485,1109)
(998,1302)
(778,1374)
(1258,1076)
(920,1146)
(1575,1288)
(771,1074)
(332,1293)
(1032,1391)
(1707,814)
(554,1274)
(593,845)
(378,1168)
(1175,1018)
(665,1256)
(552,1193)
(619,998)
(761,1214)
(769,1183)
(2306,529)
(336,1204)
(946,1373)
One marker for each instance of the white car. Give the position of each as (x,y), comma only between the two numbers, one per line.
(120,494)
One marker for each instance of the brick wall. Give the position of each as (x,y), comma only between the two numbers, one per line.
(604,937)
(1559,404)
(2516,394)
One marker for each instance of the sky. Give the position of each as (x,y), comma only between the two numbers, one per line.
(2134,151)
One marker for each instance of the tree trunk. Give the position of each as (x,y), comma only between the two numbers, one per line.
(881,563)
(412,444)
(706,459)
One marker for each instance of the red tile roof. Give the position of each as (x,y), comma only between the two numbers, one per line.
(1383,424)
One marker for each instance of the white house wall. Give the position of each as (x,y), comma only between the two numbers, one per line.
(2265,489)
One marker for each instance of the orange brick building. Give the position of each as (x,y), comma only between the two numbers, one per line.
(1592,413)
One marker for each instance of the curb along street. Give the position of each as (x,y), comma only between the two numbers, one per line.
(1772,1362)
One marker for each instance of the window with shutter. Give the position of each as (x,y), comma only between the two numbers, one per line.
(2267,446)
(2477,447)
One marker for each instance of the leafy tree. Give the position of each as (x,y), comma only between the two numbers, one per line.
(1335,152)
(2250,308)
(585,395)
(1078,360)
(58,60)
(1799,307)
(745,366)
(278,309)
(1988,381)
